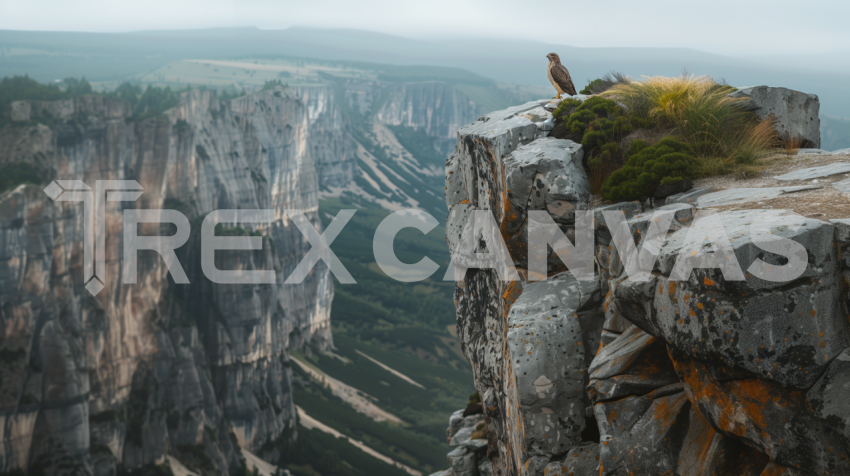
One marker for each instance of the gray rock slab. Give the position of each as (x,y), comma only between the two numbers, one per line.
(634,363)
(548,344)
(689,196)
(795,113)
(816,172)
(455,423)
(546,174)
(475,445)
(734,196)
(784,331)
(467,428)
(463,462)
(538,114)
(553,103)
(842,186)
(485,468)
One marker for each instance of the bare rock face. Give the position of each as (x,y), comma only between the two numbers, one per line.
(796,113)
(697,376)
(529,420)
(734,323)
(435,108)
(553,328)
(647,423)
(771,418)
(95,384)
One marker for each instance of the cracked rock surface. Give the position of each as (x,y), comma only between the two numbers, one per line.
(713,374)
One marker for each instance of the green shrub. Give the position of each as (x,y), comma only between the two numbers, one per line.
(701,112)
(154,101)
(274,83)
(600,85)
(599,124)
(647,167)
(590,86)
(16,173)
(77,87)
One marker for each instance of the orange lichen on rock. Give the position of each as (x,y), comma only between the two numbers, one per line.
(772,418)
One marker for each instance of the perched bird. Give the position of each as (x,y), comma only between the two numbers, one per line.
(559,76)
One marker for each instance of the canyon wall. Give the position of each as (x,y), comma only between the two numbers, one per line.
(96,384)
(438,109)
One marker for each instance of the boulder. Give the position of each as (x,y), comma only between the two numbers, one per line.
(635,363)
(463,462)
(796,113)
(769,417)
(546,175)
(736,323)
(553,331)
(646,422)
(455,422)
(468,426)
(578,461)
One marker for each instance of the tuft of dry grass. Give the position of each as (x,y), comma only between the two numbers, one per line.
(725,136)
(792,145)
(597,177)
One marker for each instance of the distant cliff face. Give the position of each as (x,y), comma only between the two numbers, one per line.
(91,384)
(439,109)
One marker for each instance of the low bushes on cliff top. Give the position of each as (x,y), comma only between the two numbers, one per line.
(668,162)
(721,136)
(600,125)
(606,82)
(700,111)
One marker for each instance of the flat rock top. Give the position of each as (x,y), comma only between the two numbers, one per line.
(816,172)
(496,122)
(812,185)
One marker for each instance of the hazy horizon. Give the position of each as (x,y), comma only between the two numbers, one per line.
(729,27)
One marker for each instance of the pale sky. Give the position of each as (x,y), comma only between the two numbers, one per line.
(730,27)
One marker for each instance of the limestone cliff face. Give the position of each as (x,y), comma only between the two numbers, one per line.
(91,384)
(626,376)
(439,109)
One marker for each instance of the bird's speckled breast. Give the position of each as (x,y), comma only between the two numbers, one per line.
(551,79)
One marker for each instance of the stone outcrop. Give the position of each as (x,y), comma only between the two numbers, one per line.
(466,435)
(96,384)
(525,409)
(648,374)
(796,113)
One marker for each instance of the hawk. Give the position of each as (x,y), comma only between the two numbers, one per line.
(559,76)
